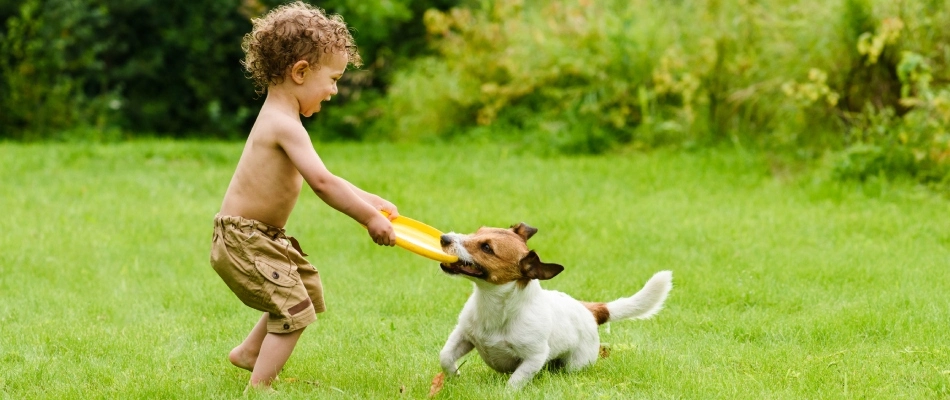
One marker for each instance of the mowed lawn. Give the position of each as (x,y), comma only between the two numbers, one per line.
(784,288)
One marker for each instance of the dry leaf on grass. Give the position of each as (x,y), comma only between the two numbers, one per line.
(437,382)
(604,351)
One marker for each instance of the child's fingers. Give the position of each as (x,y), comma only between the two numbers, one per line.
(391,210)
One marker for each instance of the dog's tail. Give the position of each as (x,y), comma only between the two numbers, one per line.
(642,305)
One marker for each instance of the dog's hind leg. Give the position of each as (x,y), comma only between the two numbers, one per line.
(581,357)
(528,368)
(454,349)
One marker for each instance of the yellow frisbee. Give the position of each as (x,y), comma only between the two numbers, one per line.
(420,238)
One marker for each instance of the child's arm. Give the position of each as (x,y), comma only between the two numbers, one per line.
(378,202)
(334,191)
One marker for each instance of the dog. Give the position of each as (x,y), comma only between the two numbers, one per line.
(516,326)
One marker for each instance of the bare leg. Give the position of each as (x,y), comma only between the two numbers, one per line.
(245,354)
(274,352)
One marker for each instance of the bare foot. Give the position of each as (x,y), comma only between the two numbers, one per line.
(242,359)
(265,389)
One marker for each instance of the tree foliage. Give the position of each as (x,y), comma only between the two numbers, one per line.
(865,80)
(869,79)
(169,68)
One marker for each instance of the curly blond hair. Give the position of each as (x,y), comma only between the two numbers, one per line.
(290,33)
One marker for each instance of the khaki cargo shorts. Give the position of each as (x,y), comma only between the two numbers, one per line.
(267,270)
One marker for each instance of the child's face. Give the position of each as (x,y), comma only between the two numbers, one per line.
(320,83)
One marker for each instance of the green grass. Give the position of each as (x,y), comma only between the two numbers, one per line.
(784,288)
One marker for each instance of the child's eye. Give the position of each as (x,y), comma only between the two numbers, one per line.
(486,248)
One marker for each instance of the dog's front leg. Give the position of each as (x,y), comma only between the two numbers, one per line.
(529,368)
(456,347)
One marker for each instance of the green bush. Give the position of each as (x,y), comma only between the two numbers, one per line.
(99,69)
(79,68)
(48,52)
(389,34)
(866,80)
(588,76)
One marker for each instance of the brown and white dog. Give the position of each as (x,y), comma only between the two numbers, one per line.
(516,326)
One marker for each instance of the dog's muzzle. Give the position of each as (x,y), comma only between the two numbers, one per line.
(463,268)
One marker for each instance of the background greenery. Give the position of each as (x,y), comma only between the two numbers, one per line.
(862,82)
(784,289)
(108,69)
(865,79)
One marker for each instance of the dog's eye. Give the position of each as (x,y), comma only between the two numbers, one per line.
(486,248)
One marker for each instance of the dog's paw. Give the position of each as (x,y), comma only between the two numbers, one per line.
(451,369)
(515,384)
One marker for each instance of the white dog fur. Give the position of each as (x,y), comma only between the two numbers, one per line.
(516,326)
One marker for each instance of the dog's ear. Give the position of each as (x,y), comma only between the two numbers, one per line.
(533,268)
(525,231)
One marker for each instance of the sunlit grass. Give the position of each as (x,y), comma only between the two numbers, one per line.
(783,289)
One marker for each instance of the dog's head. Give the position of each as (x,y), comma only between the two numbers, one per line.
(497,256)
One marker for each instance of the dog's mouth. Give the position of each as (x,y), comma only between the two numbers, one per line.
(463,268)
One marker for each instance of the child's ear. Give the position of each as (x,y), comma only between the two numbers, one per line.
(299,71)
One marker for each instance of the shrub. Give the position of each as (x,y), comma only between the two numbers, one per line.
(646,72)
(909,133)
(389,33)
(45,65)
(591,75)
(139,66)
(144,67)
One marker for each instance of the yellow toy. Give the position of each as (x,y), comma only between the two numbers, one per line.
(420,238)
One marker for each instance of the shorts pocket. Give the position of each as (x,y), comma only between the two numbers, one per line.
(277,276)
(237,239)
(245,242)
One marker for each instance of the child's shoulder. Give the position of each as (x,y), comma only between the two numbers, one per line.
(277,124)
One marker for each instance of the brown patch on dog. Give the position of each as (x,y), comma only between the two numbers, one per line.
(497,251)
(523,230)
(601,314)
(533,268)
(504,256)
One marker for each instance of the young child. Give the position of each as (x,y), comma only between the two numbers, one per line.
(295,54)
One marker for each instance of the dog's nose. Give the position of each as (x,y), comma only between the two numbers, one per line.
(445,240)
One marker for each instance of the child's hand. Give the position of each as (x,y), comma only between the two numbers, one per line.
(388,208)
(381,230)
